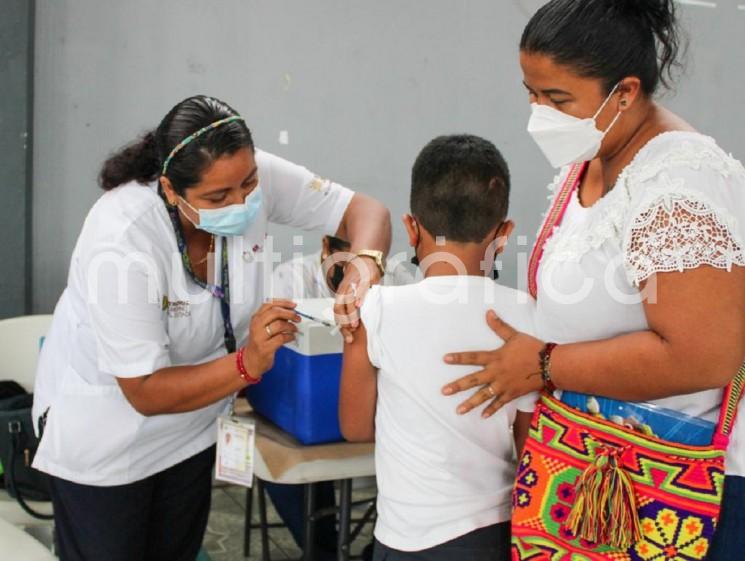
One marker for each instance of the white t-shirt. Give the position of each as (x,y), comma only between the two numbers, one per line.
(130,308)
(440,475)
(302,277)
(675,207)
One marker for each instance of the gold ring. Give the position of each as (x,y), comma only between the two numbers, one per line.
(268,330)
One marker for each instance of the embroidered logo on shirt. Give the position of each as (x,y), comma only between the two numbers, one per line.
(177,309)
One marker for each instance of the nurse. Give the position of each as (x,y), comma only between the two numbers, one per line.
(164,319)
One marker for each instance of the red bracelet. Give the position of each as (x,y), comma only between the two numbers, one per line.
(250,380)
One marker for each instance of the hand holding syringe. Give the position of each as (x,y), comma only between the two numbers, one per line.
(313,318)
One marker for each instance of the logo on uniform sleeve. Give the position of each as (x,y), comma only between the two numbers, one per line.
(177,308)
(320,185)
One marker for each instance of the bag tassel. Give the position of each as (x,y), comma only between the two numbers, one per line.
(605,510)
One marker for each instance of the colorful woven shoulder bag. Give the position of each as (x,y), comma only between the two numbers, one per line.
(591,490)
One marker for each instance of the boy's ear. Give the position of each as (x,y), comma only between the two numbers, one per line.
(503,234)
(412,229)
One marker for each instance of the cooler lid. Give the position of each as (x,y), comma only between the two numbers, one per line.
(314,337)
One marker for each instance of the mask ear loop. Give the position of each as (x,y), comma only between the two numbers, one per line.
(599,111)
(178,206)
(607,100)
(495,271)
(415,259)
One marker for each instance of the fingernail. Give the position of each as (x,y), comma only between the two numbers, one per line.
(348,339)
(485,415)
(448,358)
(490,314)
(461,410)
(355,323)
(447,391)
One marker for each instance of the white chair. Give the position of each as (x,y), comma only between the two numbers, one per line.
(20,341)
(19,546)
(10,511)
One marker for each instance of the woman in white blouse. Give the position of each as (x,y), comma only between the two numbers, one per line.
(642,286)
(164,319)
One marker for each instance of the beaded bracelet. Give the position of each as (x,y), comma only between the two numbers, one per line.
(545,358)
(250,380)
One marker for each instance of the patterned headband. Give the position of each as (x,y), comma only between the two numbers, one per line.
(197,134)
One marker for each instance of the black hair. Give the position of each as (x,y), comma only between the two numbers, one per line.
(610,39)
(142,161)
(460,187)
(338,244)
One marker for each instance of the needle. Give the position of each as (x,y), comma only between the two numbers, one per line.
(311,318)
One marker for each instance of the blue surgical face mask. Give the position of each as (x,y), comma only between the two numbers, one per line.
(232,220)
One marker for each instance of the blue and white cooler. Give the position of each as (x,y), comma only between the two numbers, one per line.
(301,392)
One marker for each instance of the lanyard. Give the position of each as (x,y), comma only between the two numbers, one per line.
(222,292)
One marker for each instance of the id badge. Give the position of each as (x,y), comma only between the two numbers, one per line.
(236,439)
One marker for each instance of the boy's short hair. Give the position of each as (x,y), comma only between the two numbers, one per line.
(460,187)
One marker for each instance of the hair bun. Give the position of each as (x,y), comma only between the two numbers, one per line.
(138,161)
(609,39)
(661,18)
(660,14)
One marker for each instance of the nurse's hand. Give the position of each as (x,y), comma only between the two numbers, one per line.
(360,274)
(507,373)
(271,326)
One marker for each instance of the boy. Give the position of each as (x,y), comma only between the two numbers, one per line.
(444,480)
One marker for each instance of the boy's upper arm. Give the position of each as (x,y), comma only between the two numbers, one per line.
(356,359)
(520,430)
(358,392)
(527,402)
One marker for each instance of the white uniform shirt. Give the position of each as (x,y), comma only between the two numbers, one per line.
(440,475)
(676,206)
(130,308)
(302,277)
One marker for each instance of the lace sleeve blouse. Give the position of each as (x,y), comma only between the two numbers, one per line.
(677,206)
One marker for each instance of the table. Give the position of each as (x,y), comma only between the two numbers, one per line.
(280,458)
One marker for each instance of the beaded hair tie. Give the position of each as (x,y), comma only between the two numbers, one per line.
(195,135)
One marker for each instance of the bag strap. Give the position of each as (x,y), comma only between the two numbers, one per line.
(553,219)
(730,403)
(13,487)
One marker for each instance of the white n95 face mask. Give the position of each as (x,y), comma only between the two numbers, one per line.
(564,139)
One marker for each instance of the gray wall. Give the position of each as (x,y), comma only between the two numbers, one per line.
(359,86)
(16,55)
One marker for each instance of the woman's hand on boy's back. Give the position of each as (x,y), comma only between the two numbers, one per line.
(509,372)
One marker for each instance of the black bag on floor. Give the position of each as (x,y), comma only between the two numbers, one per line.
(10,388)
(18,445)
